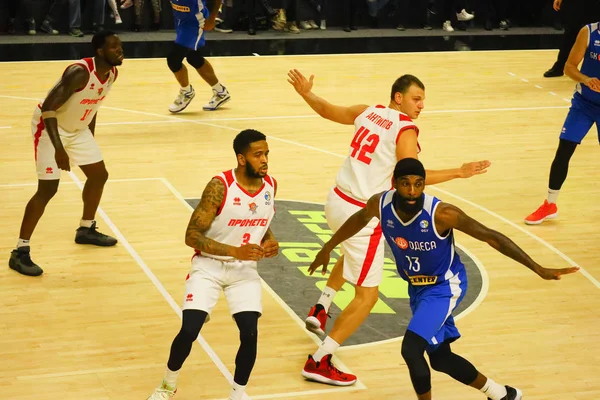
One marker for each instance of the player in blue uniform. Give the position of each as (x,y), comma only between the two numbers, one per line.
(584,112)
(192,18)
(419,229)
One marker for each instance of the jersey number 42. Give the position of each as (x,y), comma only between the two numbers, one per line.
(363,144)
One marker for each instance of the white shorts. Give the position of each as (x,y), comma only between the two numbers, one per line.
(363,253)
(80,146)
(239,281)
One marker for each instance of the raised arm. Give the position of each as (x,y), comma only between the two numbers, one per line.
(407,147)
(448,217)
(202,218)
(74,79)
(339,114)
(351,227)
(575,56)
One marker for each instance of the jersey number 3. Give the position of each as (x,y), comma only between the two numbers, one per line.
(363,144)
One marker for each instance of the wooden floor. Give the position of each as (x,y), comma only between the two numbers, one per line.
(98,324)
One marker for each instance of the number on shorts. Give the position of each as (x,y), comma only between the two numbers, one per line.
(413,264)
(245,238)
(85,114)
(364,144)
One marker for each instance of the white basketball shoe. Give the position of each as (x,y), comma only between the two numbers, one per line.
(163,392)
(182,100)
(218,99)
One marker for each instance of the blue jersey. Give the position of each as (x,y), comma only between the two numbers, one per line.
(423,257)
(591,63)
(189,16)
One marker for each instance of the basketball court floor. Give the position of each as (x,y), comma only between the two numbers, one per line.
(99,323)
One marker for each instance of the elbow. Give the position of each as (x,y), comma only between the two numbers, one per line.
(189,240)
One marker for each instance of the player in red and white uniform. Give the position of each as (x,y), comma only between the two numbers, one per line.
(63,127)
(382,136)
(229,230)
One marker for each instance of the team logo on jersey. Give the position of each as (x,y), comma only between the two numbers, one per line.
(189,297)
(424,225)
(237,201)
(401,242)
(390,223)
(92,86)
(597,43)
(301,229)
(49,170)
(267,198)
(253,207)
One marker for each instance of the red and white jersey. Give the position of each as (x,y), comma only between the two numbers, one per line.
(242,217)
(79,110)
(369,167)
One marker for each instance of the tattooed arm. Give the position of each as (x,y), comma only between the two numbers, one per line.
(202,218)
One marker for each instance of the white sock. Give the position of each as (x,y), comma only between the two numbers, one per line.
(171,378)
(186,88)
(22,243)
(237,391)
(553,195)
(219,88)
(329,346)
(86,223)
(493,390)
(327,297)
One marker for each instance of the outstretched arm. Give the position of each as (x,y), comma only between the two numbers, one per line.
(202,218)
(351,227)
(339,114)
(407,146)
(448,217)
(575,56)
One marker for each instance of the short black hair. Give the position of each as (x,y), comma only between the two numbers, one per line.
(404,82)
(99,39)
(245,138)
(409,166)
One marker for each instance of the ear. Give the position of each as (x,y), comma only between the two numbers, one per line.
(241,160)
(398,97)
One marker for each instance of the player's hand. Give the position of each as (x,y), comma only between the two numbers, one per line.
(62,159)
(299,82)
(209,24)
(592,83)
(555,274)
(250,251)
(556,5)
(322,258)
(474,168)
(270,248)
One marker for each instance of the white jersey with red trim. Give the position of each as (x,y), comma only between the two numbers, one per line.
(78,111)
(369,167)
(242,217)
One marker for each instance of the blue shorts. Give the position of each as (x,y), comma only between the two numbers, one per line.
(582,115)
(190,35)
(432,308)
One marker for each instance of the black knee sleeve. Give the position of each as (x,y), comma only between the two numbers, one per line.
(175,57)
(247,323)
(444,360)
(560,164)
(195,59)
(182,344)
(413,352)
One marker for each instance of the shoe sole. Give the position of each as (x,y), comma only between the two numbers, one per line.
(99,244)
(218,104)
(313,325)
(188,103)
(551,216)
(321,379)
(519,395)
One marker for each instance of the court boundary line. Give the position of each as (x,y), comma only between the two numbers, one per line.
(158,284)
(311,55)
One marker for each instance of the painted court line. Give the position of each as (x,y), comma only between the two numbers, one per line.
(123,241)
(5,127)
(357,386)
(73,183)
